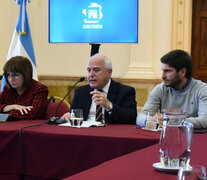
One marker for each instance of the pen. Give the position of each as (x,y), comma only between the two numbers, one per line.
(137,127)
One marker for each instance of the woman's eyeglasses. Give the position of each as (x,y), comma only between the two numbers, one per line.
(12,75)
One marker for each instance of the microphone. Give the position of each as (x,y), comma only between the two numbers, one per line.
(55,119)
(1,77)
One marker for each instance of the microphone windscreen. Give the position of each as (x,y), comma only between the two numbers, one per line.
(81,79)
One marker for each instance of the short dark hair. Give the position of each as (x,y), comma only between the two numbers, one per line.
(19,64)
(179,59)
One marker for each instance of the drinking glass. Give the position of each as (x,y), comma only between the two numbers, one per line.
(175,139)
(76,117)
(194,172)
(152,121)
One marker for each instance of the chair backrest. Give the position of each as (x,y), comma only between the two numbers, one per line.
(57,98)
(52,106)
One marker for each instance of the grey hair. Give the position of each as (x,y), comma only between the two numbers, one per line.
(107,61)
(108,64)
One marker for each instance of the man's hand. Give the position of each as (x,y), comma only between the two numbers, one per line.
(153,120)
(100,99)
(66,116)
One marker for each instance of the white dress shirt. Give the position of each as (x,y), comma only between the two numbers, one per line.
(92,111)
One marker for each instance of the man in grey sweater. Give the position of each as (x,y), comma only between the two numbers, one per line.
(178,91)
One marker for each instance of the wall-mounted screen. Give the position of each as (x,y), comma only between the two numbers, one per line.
(93,21)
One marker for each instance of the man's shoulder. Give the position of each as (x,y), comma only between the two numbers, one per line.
(198,82)
(161,86)
(198,85)
(83,88)
(121,86)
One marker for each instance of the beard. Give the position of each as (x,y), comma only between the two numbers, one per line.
(173,83)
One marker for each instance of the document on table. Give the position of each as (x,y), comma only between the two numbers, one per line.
(85,124)
(158,129)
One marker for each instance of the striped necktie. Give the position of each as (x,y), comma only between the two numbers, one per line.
(99,114)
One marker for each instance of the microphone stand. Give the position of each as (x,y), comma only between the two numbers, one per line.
(55,119)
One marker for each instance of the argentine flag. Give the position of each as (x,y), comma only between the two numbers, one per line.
(21,43)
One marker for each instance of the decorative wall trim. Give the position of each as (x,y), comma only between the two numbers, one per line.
(181,24)
(141,53)
(59,86)
(67,80)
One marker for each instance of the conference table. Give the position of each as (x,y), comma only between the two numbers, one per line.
(138,164)
(42,151)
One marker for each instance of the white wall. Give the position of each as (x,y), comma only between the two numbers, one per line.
(129,60)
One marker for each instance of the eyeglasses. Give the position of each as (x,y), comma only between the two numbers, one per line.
(12,75)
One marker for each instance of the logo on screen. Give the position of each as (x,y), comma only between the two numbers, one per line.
(93,14)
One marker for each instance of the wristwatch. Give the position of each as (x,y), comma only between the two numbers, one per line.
(110,107)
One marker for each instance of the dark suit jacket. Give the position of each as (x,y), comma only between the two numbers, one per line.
(122,97)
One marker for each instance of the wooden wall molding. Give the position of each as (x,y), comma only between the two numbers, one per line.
(59,86)
(67,80)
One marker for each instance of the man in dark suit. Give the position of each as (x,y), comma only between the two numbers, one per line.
(117,100)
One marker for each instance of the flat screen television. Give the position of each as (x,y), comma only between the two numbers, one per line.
(93,21)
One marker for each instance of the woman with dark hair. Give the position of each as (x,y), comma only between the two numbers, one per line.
(22,97)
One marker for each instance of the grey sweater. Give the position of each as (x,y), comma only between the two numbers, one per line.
(193,99)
